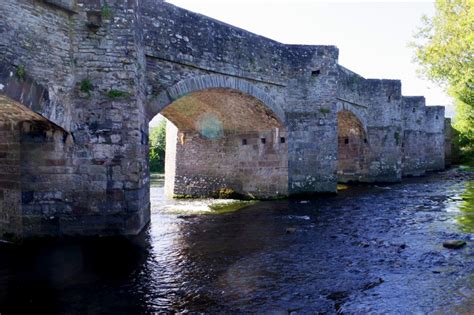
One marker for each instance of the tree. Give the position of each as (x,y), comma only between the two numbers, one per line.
(157,147)
(444,48)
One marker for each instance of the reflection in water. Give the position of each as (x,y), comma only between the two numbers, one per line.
(339,249)
(72,277)
(466,219)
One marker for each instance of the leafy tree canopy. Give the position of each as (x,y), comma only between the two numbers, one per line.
(157,147)
(444,47)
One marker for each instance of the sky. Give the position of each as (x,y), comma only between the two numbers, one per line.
(372,36)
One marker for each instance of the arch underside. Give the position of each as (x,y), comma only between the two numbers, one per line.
(29,144)
(353,148)
(222,138)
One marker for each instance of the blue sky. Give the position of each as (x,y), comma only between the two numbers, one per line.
(372,36)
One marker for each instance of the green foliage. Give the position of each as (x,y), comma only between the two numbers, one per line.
(20,72)
(157,147)
(114,94)
(324,110)
(444,48)
(106,12)
(464,125)
(85,86)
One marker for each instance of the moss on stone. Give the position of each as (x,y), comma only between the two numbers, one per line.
(85,86)
(106,12)
(221,208)
(20,72)
(184,196)
(396,135)
(227,193)
(115,94)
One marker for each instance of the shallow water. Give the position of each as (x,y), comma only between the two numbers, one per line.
(371,249)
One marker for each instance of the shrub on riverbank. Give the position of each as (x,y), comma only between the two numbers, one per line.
(157,147)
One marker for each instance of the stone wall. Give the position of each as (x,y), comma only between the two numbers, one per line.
(35,41)
(48,179)
(96,92)
(251,164)
(226,139)
(377,104)
(10,184)
(300,79)
(34,170)
(435,146)
(414,159)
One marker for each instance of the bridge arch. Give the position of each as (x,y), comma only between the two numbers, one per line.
(353,147)
(222,134)
(21,88)
(194,84)
(359,111)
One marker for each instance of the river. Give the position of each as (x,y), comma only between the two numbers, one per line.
(370,249)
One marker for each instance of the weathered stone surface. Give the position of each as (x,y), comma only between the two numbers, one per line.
(251,114)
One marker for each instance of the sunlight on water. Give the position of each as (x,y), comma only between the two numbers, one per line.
(342,187)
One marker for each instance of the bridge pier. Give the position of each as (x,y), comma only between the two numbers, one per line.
(312,153)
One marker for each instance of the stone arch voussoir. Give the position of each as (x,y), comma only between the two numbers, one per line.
(357,110)
(182,88)
(18,86)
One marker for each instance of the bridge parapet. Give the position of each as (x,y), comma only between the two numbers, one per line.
(178,38)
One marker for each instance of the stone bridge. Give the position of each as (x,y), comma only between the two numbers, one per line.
(81,79)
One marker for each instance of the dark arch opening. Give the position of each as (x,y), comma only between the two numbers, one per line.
(353,148)
(223,138)
(30,148)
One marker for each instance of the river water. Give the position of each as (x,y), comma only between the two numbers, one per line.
(371,249)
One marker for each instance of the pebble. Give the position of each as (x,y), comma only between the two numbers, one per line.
(454,244)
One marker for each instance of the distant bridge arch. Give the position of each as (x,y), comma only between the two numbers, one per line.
(358,110)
